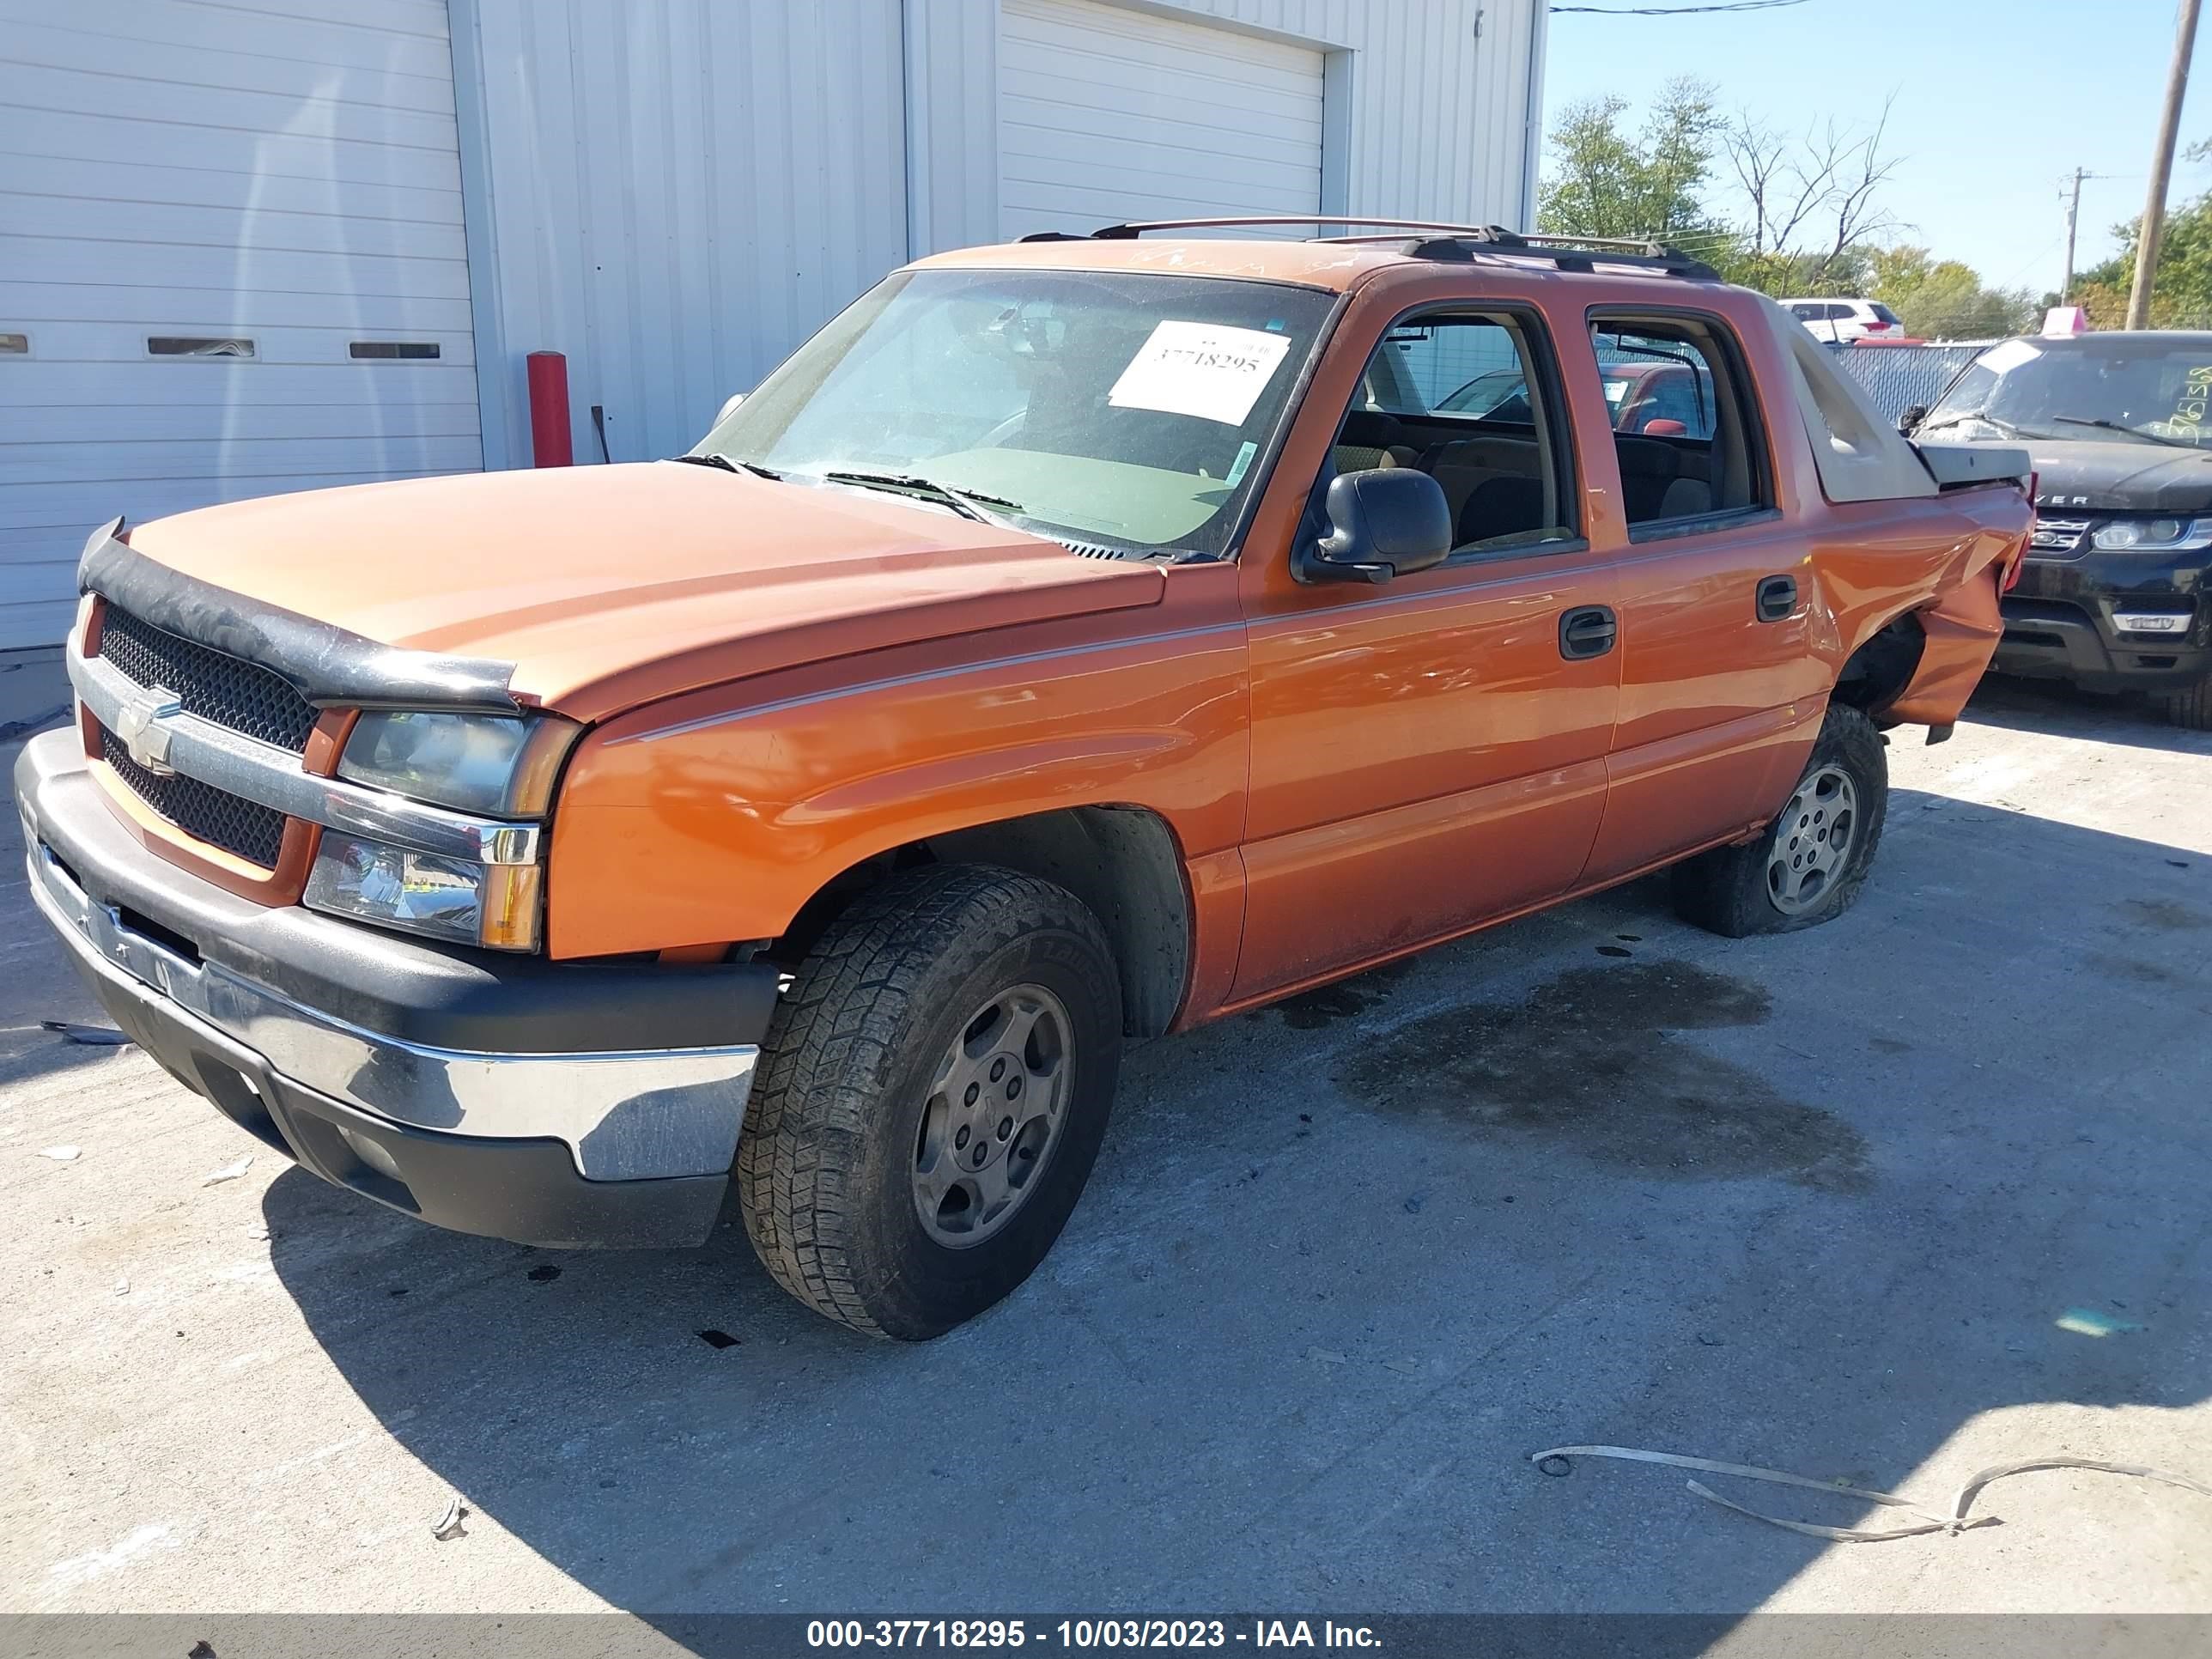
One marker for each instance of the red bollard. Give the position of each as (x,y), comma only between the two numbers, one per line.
(549,444)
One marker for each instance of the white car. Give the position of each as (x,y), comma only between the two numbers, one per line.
(1839,320)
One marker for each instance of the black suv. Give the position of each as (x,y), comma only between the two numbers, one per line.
(2114,595)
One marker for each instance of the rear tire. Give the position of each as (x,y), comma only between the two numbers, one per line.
(2191,708)
(932,1094)
(1793,875)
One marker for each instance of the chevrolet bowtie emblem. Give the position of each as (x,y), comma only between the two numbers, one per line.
(138,724)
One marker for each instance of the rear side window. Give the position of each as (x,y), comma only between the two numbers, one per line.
(1688,440)
(1472,398)
(1882,313)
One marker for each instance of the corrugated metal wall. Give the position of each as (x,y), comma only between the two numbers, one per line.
(676,193)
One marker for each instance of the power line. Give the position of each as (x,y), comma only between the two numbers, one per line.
(1678,11)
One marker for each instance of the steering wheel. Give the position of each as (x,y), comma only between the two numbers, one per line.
(1005,430)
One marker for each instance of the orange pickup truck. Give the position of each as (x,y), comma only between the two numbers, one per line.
(1074,641)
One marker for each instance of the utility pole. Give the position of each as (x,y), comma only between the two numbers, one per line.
(2161,168)
(2073,216)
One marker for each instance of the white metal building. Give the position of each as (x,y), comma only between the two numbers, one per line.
(269,245)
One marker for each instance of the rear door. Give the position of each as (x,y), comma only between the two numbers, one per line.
(1720,690)
(1430,753)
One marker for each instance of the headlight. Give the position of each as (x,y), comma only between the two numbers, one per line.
(2154,535)
(500,766)
(494,905)
(493,766)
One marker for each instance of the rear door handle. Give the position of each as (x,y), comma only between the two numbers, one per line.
(1778,597)
(1586,631)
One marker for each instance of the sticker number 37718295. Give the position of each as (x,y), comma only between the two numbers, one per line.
(1209,370)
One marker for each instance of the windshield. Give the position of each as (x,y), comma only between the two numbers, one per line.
(2119,390)
(1122,409)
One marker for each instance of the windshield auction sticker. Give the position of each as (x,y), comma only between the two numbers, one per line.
(1206,369)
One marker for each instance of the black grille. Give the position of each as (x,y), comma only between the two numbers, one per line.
(213,684)
(201,809)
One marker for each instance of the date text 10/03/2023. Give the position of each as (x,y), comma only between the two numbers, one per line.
(1086,1633)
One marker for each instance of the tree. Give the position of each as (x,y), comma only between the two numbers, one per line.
(1944,300)
(2181,287)
(1813,201)
(1813,204)
(1607,182)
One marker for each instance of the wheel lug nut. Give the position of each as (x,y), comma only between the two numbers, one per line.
(982,1152)
(1006,1127)
(961,1140)
(997,1069)
(973,1090)
(1013,1087)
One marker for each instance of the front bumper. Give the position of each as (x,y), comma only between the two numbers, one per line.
(2069,618)
(547,1103)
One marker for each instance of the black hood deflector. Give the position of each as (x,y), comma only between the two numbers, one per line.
(326,665)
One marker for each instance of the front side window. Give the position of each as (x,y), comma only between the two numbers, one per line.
(2121,390)
(1470,399)
(1127,410)
(1684,431)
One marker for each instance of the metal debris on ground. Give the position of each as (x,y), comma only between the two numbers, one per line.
(1556,1462)
(449,1523)
(60,1154)
(228,1172)
(92,1037)
(1327,1356)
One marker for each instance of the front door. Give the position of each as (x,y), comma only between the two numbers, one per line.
(1431,753)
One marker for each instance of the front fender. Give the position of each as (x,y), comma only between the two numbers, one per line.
(714,817)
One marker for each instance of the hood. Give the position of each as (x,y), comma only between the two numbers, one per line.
(2119,476)
(609,585)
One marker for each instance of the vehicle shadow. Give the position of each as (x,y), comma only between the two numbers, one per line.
(1819,1202)
(2058,708)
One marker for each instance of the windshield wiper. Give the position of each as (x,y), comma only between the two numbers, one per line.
(2132,431)
(967,503)
(1964,416)
(727,466)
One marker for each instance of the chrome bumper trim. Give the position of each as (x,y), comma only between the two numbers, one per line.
(273,777)
(623,1116)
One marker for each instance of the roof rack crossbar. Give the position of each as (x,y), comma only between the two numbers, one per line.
(1126,232)
(1456,241)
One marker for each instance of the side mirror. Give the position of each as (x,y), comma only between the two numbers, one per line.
(1384,522)
(1663,428)
(736,398)
(1909,422)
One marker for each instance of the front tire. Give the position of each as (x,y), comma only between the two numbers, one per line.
(2191,708)
(1813,860)
(932,1095)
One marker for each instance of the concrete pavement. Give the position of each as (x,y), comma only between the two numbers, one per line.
(1820,1202)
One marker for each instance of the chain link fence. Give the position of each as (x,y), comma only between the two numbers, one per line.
(1898,376)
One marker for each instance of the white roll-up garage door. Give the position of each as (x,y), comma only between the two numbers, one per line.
(231,263)
(1106,115)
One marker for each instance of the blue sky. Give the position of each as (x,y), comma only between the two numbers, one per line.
(1997,102)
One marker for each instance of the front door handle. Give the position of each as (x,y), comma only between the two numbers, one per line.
(1586,631)
(1778,597)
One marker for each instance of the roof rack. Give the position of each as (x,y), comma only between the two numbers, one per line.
(1459,242)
